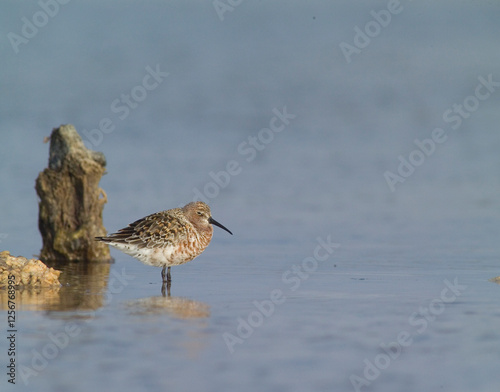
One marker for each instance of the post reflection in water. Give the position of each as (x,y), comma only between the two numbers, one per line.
(83,286)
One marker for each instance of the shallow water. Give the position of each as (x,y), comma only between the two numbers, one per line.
(402,301)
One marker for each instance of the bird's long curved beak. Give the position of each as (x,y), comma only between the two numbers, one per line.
(214,222)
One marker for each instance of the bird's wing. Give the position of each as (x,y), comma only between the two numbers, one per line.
(159,229)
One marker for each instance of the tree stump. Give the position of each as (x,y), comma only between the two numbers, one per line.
(71,202)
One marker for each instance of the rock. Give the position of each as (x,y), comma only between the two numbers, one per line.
(495,279)
(71,202)
(26,272)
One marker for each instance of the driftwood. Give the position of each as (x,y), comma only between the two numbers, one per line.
(71,202)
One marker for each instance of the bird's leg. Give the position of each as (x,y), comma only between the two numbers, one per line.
(167,281)
(166,277)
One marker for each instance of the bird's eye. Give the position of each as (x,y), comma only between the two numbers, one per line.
(199,213)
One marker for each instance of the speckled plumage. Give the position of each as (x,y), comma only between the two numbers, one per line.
(167,238)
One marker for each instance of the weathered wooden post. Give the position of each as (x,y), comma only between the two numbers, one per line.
(71,202)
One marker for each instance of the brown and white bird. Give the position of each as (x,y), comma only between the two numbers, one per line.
(167,238)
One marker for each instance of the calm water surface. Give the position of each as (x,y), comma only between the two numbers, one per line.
(403,300)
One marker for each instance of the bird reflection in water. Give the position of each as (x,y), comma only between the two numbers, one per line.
(165,288)
(178,307)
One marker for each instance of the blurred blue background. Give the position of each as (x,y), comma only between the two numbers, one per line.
(355,112)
